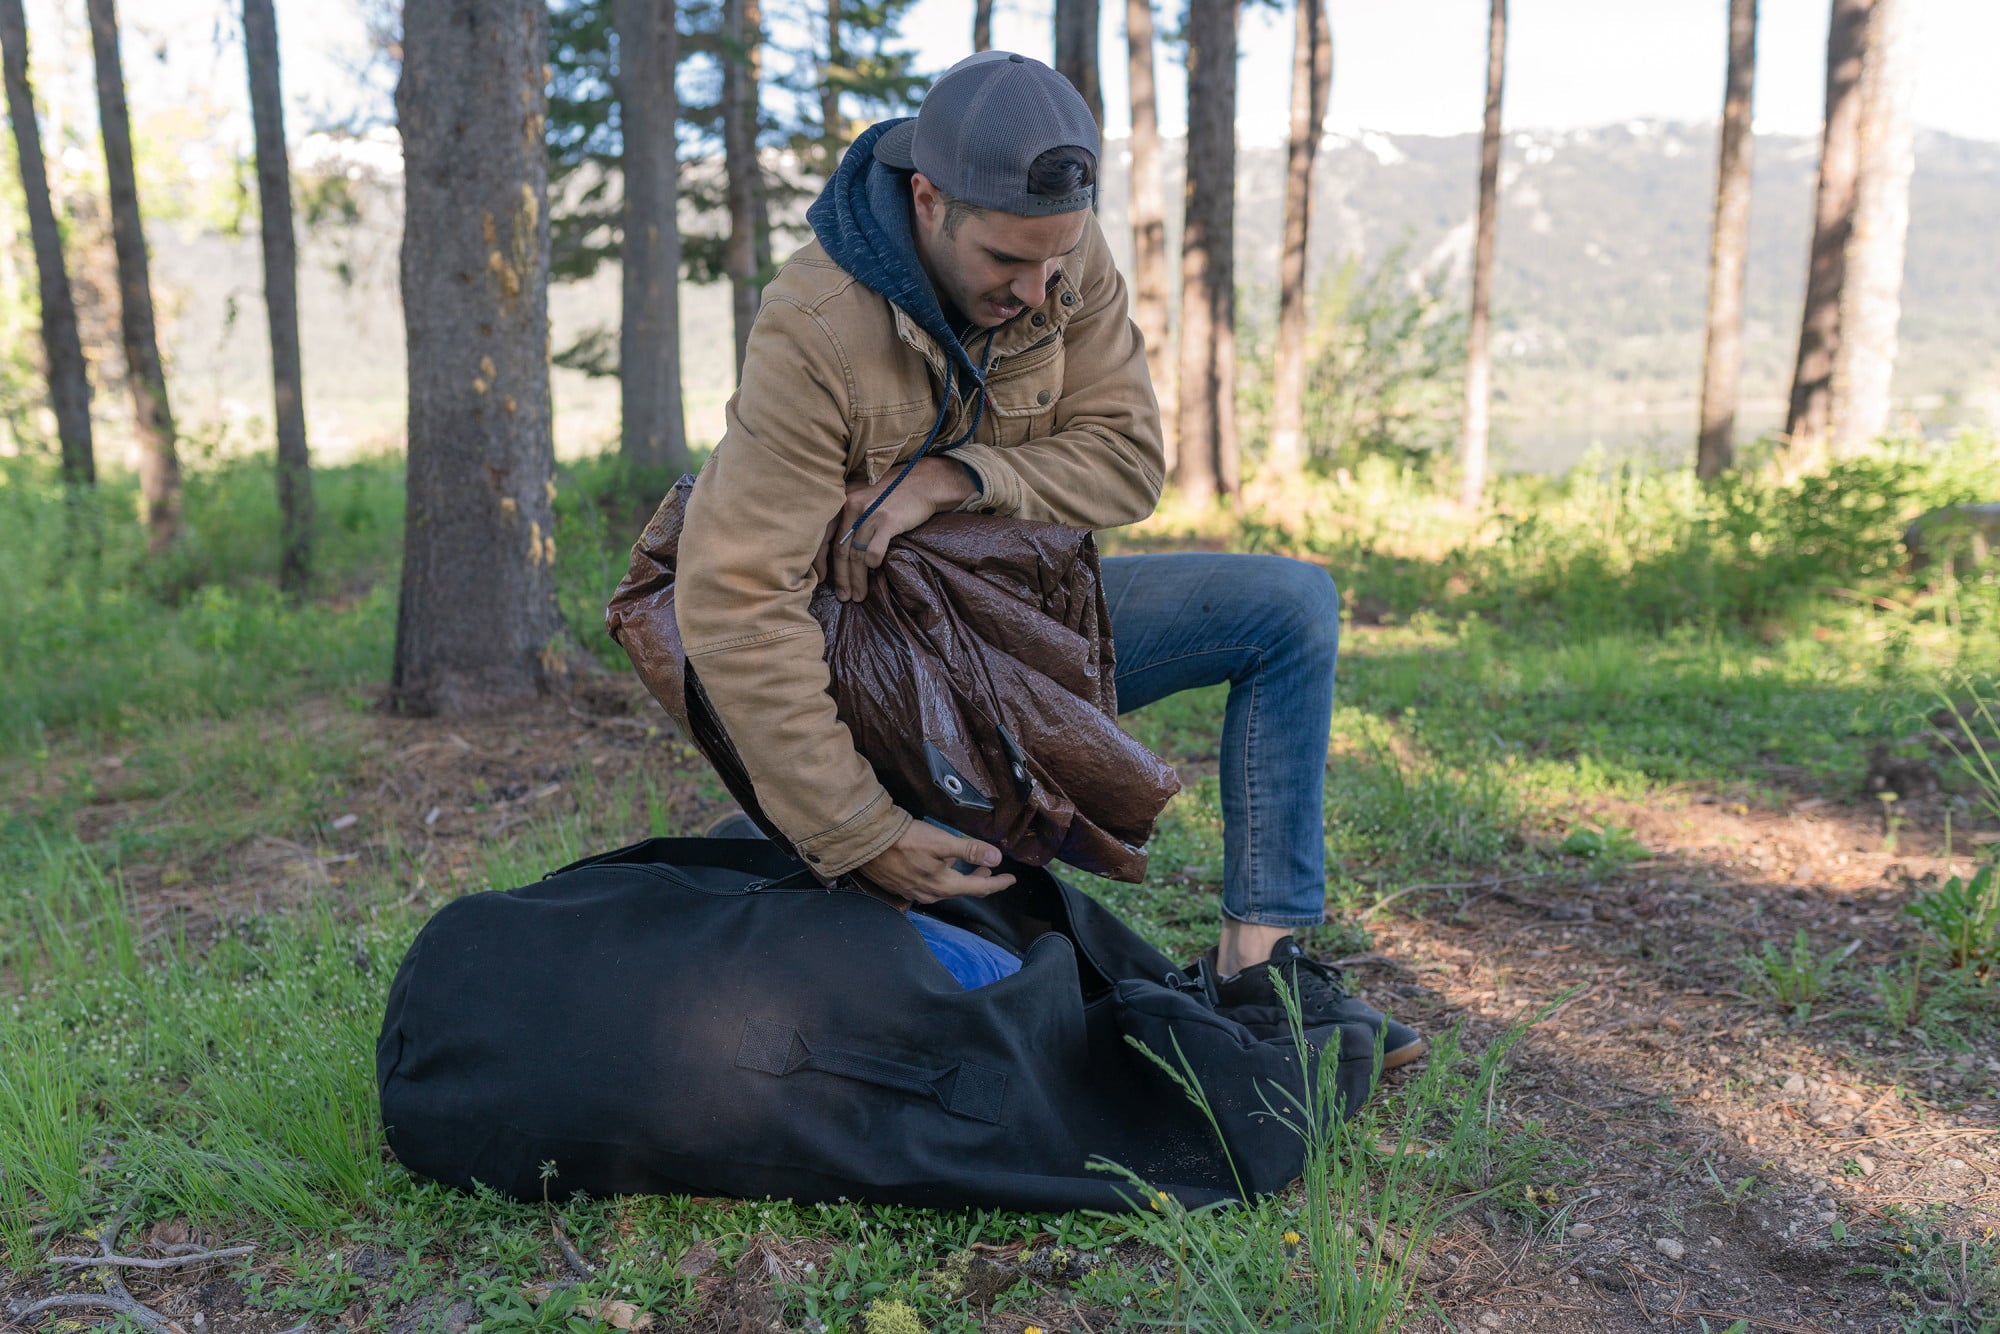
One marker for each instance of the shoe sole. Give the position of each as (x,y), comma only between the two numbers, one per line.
(1403,1055)
(733,825)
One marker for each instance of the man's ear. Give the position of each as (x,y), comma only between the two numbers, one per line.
(925,198)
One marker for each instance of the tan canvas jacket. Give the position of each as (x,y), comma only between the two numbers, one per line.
(838,385)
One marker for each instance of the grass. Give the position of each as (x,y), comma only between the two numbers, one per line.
(1602,639)
(1796,978)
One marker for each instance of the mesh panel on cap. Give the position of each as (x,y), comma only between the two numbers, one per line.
(985,122)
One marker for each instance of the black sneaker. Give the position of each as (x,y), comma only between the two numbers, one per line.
(733,825)
(1251,999)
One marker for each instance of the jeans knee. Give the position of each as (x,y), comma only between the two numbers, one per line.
(1307,606)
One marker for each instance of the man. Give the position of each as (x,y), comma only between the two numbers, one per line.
(959,308)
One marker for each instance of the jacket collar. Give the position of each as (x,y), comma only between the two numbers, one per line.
(1016,335)
(862,221)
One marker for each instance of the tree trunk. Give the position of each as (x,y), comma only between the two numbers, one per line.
(1149,215)
(152,419)
(1871,298)
(741,82)
(1722,359)
(1811,413)
(832,129)
(281,296)
(477,626)
(1206,466)
(1478,353)
(654,432)
(69,380)
(1076,51)
(1312,79)
(982,25)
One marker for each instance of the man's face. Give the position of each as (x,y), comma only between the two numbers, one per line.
(991,265)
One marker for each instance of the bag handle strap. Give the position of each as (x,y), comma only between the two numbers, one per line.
(975,1092)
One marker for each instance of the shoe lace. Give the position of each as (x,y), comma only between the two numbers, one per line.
(1318,984)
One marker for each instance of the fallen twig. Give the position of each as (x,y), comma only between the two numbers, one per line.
(99,1301)
(1760,1321)
(136,1262)
(1493,883)
(113,1298)
(578,1265)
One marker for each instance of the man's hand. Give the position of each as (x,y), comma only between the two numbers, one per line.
(934,486)
(918,867)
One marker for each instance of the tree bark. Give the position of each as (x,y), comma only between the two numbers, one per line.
(832,129)
(1312,85)
(1871,297)
(1076,51)
(982,25)
(1478,353)
(1207,464)
(152,418)
(62,346)
(654,432)
(1811,414)
(1149,215)
(477,626)
(741,82)
(281,296)
(1722,359)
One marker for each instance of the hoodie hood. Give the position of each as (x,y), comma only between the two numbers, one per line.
(862,220)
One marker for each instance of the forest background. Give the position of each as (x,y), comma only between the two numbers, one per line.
(1665,799)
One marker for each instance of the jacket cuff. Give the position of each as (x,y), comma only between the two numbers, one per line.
(1000,487)
(857,840)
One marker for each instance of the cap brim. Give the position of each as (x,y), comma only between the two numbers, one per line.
(893,148)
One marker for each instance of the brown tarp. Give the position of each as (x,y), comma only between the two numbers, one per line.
(976,677)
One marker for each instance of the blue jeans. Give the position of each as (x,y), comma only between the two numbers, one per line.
(1270,626)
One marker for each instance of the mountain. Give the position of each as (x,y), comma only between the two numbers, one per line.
(1599,295)
(1602,278)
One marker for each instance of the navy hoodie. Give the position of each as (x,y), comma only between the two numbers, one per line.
(862,219)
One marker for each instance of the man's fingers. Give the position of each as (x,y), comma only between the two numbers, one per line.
(852,583)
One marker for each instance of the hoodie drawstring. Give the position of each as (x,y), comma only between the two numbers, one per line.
(944,410)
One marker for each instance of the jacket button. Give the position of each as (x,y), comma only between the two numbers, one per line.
(1042,398)
(1069,298)
(1038,319)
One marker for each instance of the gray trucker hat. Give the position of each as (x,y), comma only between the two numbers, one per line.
(985,120)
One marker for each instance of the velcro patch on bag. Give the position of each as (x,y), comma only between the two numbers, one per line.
(971,1091)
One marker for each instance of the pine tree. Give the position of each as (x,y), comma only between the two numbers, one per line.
(1312,77)
(1148,210)
(1206,466)
(477,625)
(281,295)
(62,346)
(1811,416)
(861,74)
(1871,297)
(152,418)
(742,84)
(654,429)
(1478,354)
(1076,51)
(1722,359)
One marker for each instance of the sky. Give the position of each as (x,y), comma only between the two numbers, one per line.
(1401,66)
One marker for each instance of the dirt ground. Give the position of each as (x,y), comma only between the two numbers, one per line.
(1721,1148)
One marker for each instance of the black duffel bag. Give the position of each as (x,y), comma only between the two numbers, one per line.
(703,1016)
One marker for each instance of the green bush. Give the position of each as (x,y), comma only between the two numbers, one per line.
(1636,551)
